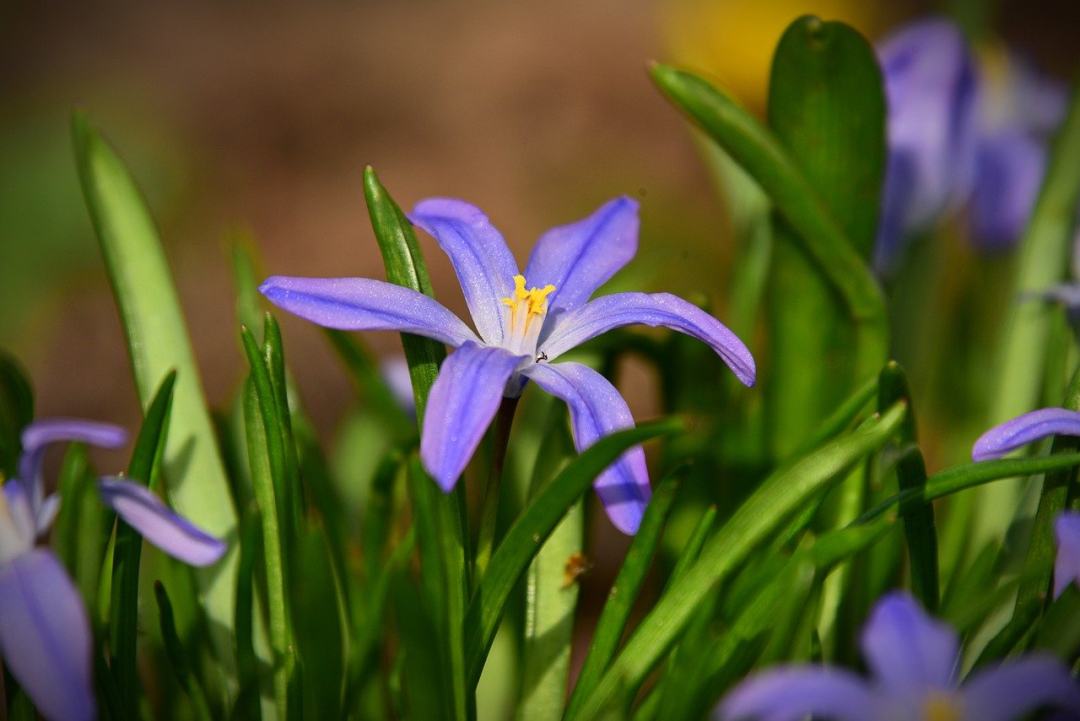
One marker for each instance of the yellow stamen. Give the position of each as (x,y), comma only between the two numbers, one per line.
(940,706)
(534,299)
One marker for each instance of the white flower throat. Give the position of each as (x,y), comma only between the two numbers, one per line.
(527,309)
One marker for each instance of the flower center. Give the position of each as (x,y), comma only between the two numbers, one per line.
(940,706)
(527,310)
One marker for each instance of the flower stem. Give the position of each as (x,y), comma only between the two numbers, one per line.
(489,509)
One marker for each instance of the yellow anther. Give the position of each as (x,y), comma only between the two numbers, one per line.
(940,706)
(535,299)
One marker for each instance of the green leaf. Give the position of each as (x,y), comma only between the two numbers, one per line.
(442,555)
(258,399)
(756,519)
(174,649)
(551,594)
(16,412)
(763,156)
(123,626)
(827,109)
(918,516)
(1044,261)
(247,705)
(83,525)
(524,539)
(158,344)
(624,592)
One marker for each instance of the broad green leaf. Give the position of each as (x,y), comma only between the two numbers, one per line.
(763,156)
(158,344)
(551,594)
(827,109)
(1044,254)
(751,525)
(624,592)
(524,539)
(127,551)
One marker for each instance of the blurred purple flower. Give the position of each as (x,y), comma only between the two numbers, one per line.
(959,134)
(520,330)
(913,661)
(1028,428)
(1067,561)
(931,94)
(395,371)
(44,631)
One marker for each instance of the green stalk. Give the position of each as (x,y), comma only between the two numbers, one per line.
(489,513)
(1044,253)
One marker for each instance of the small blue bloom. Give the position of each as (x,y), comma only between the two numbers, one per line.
(523,322)
(1067,561)
(913,661)
(930,88)
(1025,429)
(44,631)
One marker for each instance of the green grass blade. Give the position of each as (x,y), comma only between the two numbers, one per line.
(756,519)
(16,411)
(760,153)
(262,476)
(158,343)
(919,530)
(624,592)
(174,649)
(532,528)
(127,551)
(550,595)
(1044,254)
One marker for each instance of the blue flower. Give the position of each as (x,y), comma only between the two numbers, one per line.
(44,631)
(1067,561)
(913,661)
(961,133)
(1022,430)
(523,323)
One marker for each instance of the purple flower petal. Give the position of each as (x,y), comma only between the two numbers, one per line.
(37,436)
(484,265)
(656,309)
(1009,170)
(931,91)
(908,652)
(1012,690)
(462,403)
(366,304)
(1067,561)
(580,257)
(797,692)
(1025,429)
(45,636)
(596,410)
(145,512)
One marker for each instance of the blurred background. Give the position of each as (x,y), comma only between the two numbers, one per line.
(258,118)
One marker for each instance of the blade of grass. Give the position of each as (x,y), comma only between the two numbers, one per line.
(1044,253)
(760,515)
(16,411)
(174,649)
(123,625)
(158,343)
(624,592)
(525,537)
(550,594)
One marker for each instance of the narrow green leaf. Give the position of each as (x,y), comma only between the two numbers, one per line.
(551,594)
(918,516)
(83,525)
(280,625)
(16,411)
(762,514)
(439,555)
(274,357)
(158,343)
(247,704)
(624,592)
(246,279)
(127,551)
(533,526)
(764,158)
(1044,255)
(174,649)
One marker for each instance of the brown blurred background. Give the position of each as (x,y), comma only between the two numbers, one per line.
(261,117)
